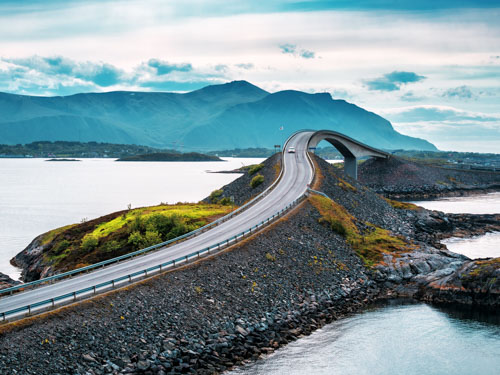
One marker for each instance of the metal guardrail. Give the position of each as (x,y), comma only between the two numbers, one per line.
(318,192)
(104,263)
(111,284)
(73,296)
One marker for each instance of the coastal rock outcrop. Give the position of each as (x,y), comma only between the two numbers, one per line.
(7,282)
(399,178)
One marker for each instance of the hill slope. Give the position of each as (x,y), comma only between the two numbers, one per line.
(257,124)
(233,115)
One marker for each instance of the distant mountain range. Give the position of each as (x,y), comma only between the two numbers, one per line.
(228,116)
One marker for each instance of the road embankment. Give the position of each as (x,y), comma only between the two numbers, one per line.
(326,259)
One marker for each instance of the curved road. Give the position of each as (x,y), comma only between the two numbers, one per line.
(296,176)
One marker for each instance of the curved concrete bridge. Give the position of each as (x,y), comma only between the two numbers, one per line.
(350,149)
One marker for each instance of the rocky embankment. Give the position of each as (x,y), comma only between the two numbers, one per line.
(7,282)
(399,178)
(324,260)
(427,270)
(241,189)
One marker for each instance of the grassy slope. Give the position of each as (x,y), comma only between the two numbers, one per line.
(370,243)
(119,233)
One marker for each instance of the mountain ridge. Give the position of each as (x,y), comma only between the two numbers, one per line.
(237,114)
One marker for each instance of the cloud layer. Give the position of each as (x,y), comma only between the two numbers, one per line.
(393,81)
(61,76)
(379,54)
(449,128)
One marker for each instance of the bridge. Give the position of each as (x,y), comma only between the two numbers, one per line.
(286,192)
(350,149)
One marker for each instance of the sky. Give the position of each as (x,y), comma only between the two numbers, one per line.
(430,67)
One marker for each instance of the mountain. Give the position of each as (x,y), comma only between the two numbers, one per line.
(232,115)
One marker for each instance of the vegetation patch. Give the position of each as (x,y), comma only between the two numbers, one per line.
(254,168)
(401,205)
(116,234)
(50,235)
(346,186)
(371,244)
(256,181)
(484,268)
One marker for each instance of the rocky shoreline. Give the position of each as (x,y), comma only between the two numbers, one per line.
(296,276)
(401,179)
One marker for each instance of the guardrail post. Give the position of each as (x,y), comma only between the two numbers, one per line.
(145,272)
(74,296)
(160,267)
(94,290)
(113,283)
(3,315)
(198,255)
(173,262)
(53,302)
(29,309)
(187,258)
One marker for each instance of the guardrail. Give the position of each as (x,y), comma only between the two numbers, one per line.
(111,284)
(88,291)
(149,249)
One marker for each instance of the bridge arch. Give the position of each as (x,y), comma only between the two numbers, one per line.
(350,149)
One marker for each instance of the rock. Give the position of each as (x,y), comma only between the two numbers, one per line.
(143,365)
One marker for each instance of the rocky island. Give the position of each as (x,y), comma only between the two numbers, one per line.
(171,156)
(332,255)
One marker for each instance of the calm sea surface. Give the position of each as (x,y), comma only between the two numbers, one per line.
(410,339)
(36,195)
(477,247)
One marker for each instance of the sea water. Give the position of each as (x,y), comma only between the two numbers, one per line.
(37,196)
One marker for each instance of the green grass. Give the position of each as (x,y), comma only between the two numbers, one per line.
(370,245)
(193,212)
(116,234)
(49,236)
(402,205)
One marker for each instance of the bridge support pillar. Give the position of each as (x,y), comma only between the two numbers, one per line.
(351,167)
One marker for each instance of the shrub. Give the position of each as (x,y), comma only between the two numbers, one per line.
(135,239)
(215,195)
(338,227)
(140,241)
(110,246)
(151,238)
(256,181)
(61,246)
(270,257)
(226,201)
(137,225)
(89,243)
(255,168)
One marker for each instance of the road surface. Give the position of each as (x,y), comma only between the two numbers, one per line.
(297,175)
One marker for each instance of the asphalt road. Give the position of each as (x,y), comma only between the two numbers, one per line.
(297,175)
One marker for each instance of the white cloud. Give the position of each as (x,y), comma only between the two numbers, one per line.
(449,128)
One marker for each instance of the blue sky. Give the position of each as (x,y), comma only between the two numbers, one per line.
(431,67)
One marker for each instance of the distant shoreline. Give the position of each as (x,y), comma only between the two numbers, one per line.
(169,157)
